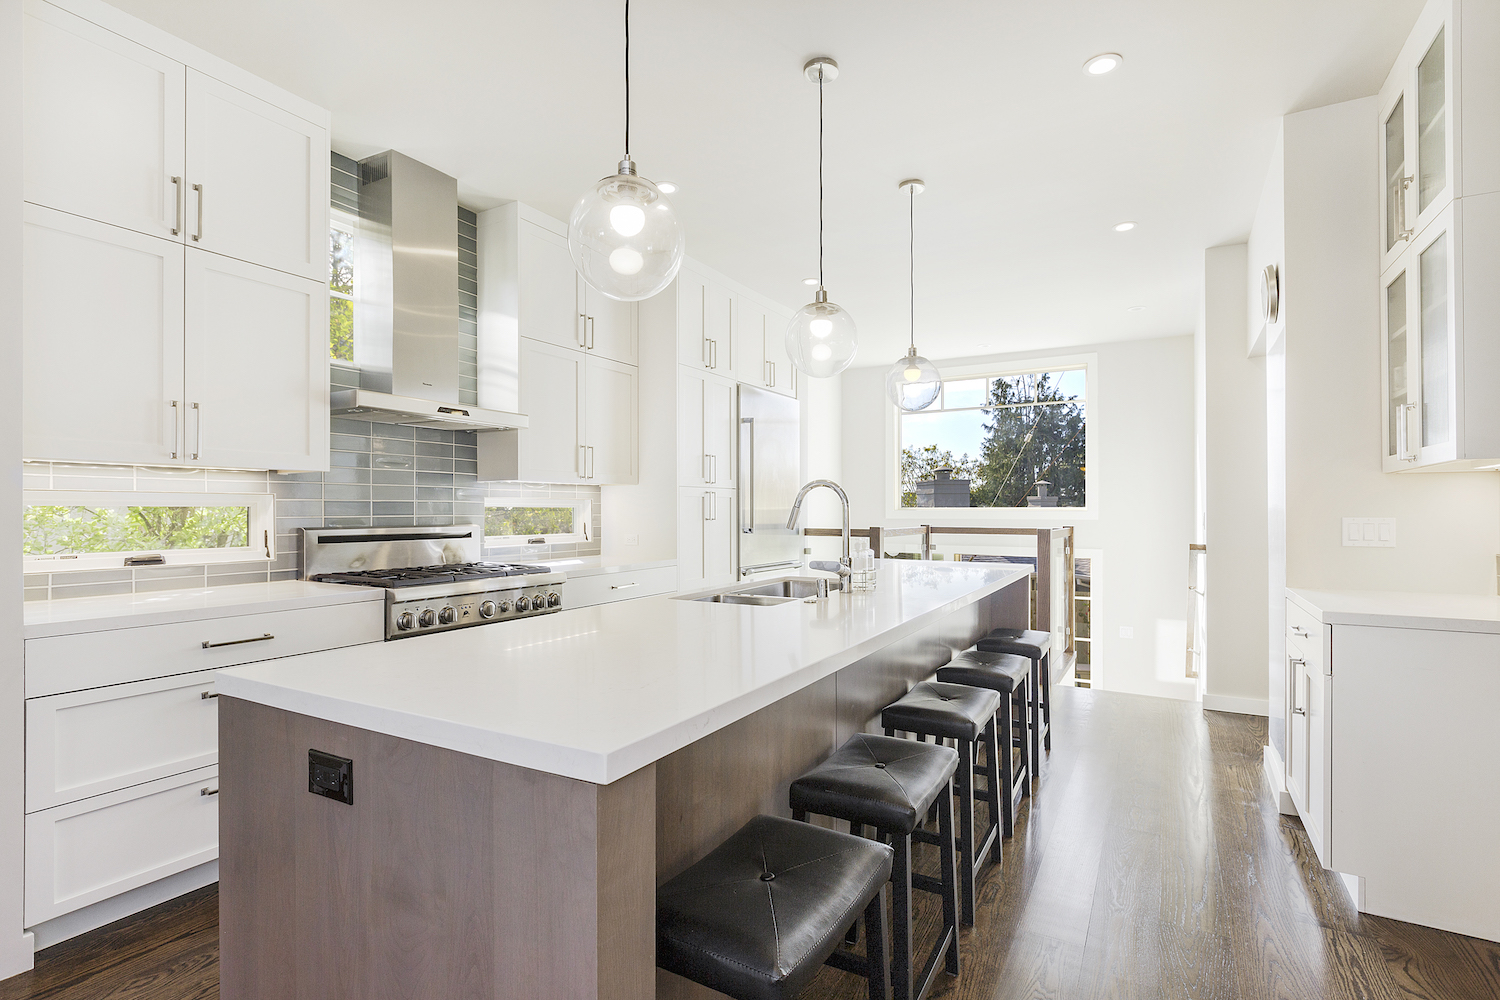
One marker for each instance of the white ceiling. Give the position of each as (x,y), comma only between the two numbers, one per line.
(1029,161)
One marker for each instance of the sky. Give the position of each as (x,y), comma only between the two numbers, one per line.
(961,431)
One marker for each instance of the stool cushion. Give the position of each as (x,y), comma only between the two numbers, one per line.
(878,781)
(951,711)
(725,924)
(1002,672)
(1025,641)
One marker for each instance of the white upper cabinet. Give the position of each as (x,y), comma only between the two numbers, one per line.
(609,324)
(257,180)
(705,328)
(610,421)
(104,356)
(250,403)
(706,422)
(103,128)
(548,308)
(761,338)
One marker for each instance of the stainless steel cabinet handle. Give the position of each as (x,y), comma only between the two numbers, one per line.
(1298,663)
(1299,711)
(583,461)
(747,475)
(208,791)
(713,354)
(1297,631)
(591,462)
(773,374)
(176,206)
(580,332)
(208,695)
(1406,449)
(710,507)
(198,429)
(176,428)
(591,333)
(237,642)
(198,236)
(706,362)
(1402,232)
(623,586)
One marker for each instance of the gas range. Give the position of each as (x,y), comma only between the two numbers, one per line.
(432,576)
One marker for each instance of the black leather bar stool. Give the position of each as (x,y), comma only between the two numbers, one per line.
(765,910)
(1037,647)
(1005,673)
(965,715)
(889,784)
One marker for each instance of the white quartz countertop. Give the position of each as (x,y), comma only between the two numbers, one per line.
(1396,609)
(582,566)
(596,693)
(93,614)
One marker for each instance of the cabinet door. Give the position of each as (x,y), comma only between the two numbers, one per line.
(692,346)
(752,363)
(611,325)
(1433,346)
(552,380)
(719,538)
(783,374)
(103,127)
(610,420)
(692,455)
(1296,742)
(257,180)
(1400,430)
(692,510)
(1396,180)
(1315,817)
(256,366)
(550,308)
(719,326)
(102,329)
(1430,113)
(720,423)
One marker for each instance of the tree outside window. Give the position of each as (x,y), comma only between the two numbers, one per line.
(341,294)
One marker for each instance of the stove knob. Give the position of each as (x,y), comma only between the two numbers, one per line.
(448,616)
(504,607)
(523,603)
(428,618)
(487,609)
(554,600)
(406,621)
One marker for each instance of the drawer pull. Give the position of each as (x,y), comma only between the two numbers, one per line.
(1297,631)
(236,642)
(1299,711)
(208,791)
(1298,663)
(205,695)
(623,586)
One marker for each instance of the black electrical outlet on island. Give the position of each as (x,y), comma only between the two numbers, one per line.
(330,776)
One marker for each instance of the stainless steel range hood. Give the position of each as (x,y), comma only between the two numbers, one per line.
(406,259)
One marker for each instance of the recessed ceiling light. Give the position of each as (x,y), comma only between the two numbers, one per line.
(809,281)
(1136,309)
(667,187)
(1124,227)
(1103,63)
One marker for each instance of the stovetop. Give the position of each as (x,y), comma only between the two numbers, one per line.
(421,576)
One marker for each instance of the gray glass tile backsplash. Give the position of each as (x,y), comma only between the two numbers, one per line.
(382,475)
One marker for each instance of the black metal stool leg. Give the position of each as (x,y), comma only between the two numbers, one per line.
(1006,731)
(949,876)
(966,826)
(901,970)
(875,947)
(1046,693)
(1021,739)
(852,936)
(1034,716)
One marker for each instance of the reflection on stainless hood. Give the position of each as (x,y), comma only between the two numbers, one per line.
(407,308)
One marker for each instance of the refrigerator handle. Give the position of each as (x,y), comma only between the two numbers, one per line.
(747,475)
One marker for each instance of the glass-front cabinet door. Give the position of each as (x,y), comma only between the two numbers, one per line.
(1419,352)
(1416,141)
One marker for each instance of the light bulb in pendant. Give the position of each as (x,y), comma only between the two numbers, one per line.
(627,220)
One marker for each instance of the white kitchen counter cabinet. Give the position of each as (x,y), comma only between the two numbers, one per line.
(1396,769)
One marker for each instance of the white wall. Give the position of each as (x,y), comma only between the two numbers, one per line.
(1142,448)
(1447,524)
(1234,391)
(15,945)
(822,448)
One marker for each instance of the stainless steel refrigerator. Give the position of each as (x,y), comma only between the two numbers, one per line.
(770,449)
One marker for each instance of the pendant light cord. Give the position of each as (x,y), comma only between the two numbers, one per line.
(627,79)
(820,176)
(911,249)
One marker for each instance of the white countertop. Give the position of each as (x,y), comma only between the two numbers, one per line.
(93,614)
(582,566)
(1395,609)
(596,693)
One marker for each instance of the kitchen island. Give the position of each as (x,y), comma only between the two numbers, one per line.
(519,791)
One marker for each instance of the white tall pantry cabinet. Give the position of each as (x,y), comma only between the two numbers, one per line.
(201,334)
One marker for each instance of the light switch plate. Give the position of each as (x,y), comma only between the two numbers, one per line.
(1370,532)
(1127,632)
(632,539)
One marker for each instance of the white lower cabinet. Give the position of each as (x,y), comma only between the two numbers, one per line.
(98,847)
(1309,745)
(626,585)
(705,538)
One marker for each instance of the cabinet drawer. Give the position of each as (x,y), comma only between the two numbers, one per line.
(89,742)
(85,851)
(606,588)
(55,664)
(1304,639)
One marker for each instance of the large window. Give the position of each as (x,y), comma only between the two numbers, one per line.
(1017,439)
(77,529)
(536,522)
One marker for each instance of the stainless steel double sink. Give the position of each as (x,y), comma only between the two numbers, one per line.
(767,593)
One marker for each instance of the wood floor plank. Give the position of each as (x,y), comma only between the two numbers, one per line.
(1149,862)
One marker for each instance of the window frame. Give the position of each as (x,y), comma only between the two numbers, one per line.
(1041,516)
(261,535)
(583,515)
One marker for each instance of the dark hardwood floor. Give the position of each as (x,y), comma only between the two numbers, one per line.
(1149,863)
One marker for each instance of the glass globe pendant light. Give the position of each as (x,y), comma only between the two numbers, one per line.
(623,233)
(820,339)
(913,382)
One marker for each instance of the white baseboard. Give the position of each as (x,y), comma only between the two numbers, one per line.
(107,911)
(1275,773)
(17,956)
(1239,706)
(1354,885)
